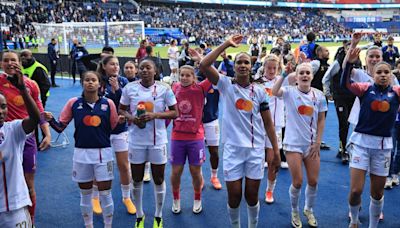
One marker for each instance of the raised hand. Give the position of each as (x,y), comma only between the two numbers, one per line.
(17,79)
(114,83)
(235,40)
(355,39)
(354,55)
(194,55)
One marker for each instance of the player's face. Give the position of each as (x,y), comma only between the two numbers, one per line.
(112,67)
(147,71)
(373,57)
(186,77)
(130,70)
(390,42)
(243,65)
(91,83)
(3,109)
(382,75)
(8,59)
(304,75)
(271,69)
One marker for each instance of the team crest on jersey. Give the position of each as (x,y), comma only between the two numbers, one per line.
(185,106)
(103,107)
(80,106)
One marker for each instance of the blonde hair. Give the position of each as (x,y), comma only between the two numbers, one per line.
(271,58)
(304,65)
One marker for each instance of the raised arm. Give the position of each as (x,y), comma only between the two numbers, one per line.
(28,124)
(276,89)
(357,89)
(207,63)
(355,39)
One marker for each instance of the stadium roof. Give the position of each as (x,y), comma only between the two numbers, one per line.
(263,3)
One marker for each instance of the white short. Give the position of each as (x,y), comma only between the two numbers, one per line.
(302,149)
(241,161)
(173,65)
(211,133)
(16,218)
(377,161)
(278,132)
(153,154)
(119,142)
(82,173)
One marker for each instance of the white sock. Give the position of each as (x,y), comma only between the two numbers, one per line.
(86,206)
(159,196)
(311,194)
(214,173)
(147,168)
(95,192)
(138,195)
(234,215)
(107,204)
(252,215)
(375,209)
(354,211)
(271,185)
(294,194)
(125,189)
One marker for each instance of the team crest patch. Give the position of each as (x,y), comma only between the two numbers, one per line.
(103,107)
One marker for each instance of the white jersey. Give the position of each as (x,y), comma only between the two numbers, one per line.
(13,189)
(276,104)
(155,98)
(173,51)
(302,111)
(242,124)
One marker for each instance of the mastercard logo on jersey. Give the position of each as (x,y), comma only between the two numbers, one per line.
(305,110)
(244,105)
(381,106)
(148,105)
(92,121)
